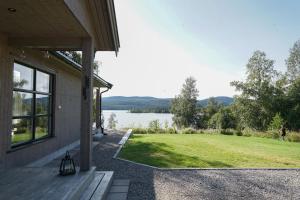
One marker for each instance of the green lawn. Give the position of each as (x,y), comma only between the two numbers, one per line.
(23,137)
(211,151)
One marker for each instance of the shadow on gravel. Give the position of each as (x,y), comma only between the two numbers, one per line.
(162,155)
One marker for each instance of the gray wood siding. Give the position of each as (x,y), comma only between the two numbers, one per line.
(67,94)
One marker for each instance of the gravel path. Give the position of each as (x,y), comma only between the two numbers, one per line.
(148,183)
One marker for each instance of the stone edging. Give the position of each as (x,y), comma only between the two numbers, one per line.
(210,169)
(122,142)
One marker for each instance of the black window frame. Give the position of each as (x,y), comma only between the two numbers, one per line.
(33,116)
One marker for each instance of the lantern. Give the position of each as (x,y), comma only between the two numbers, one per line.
(67,166)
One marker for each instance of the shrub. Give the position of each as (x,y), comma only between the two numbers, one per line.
(171,131)
(20,130)
(247,132)
(188,131)
(154,126)
(139,131)
(112,122)
(226,132)
(293,137)
(274,134)
(200,131)
(238,132)
(276,122)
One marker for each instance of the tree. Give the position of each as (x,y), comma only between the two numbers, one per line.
(102,119)
(184,106)
(112,122)
(293,62)
(293,105)
(276,122)
(154,125)
(223,119)
(77,57)
(207,112)
(255,105)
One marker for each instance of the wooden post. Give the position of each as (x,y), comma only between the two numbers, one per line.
(86,105)
(98,109)
(6,99)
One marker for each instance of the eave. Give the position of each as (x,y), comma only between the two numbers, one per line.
(99,81)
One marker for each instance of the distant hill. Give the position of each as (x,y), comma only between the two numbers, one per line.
(220,99)
(149,103)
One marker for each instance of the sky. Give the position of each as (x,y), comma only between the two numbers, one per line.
(165,41)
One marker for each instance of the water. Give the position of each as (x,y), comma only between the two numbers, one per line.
(128,120)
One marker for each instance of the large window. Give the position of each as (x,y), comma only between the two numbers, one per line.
(32,105)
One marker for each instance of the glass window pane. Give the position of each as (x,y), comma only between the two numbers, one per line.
(42,104)
(23,77)
(21,130)
(22,103)
(41,127)
(42,82)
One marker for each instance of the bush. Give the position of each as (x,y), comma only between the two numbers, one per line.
(188,131)
(154,125)
(238,132)
(226,132)
(293,137)
(276,122)
(139,131)
(20,130)
(274,134)
(171,130)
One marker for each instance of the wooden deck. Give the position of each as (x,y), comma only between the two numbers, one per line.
(44,183)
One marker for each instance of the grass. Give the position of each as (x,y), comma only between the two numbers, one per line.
(211,151)
(23,137)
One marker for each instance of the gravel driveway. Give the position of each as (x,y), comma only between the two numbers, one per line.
(148,183)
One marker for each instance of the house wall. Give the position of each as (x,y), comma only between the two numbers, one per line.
(67,95)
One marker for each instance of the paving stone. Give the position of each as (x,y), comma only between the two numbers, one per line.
(117,196)
(121,182)
(119,189)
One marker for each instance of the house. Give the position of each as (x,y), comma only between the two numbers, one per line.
(45,98)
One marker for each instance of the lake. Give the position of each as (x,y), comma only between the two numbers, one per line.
(126,119)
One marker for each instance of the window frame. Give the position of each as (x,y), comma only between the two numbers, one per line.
(33,116)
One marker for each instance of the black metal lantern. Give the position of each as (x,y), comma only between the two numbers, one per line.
(67,166)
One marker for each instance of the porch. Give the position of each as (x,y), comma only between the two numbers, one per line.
(44,183)
(40,179)
(29,31)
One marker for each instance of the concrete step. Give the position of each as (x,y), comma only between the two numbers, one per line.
(80,188)
(99,187)
(119,189)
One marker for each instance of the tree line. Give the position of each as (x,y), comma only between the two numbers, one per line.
(267,98)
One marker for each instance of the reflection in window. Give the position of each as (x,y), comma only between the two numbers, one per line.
(31,105)
(23,77)
(41,127)
(21,131)
(22,103)
(42,104)
(42,82)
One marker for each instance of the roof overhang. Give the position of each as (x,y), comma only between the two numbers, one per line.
(59,24)
(98,81)
(104,16)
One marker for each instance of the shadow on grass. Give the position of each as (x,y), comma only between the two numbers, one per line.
(159,154)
